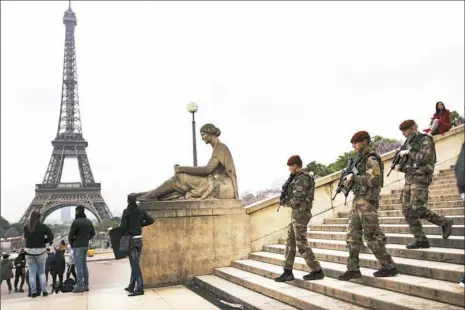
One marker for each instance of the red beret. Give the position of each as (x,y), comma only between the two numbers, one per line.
(294,160)
(406,124)
(360,136)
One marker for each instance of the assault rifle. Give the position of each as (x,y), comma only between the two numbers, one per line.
(349,169)
(284,198)
(398,160)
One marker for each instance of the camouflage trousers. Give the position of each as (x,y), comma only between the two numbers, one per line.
(415,207)
(297,237)
(364,222)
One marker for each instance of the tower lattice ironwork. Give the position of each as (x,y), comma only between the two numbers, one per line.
(51,194)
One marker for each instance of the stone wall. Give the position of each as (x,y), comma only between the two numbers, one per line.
(190,238)
(267,226)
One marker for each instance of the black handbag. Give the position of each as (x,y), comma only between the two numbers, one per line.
(125,244)
(116,236)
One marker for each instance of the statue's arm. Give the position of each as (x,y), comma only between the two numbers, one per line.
(201,171)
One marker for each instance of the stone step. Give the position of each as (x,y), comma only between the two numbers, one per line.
(457,203)
(431,199)
(298,297)
(458,220)
(413,267)
(445,173)
(434,192)
(355,293)
(450,181)
(457,230)
(239,294)
(456,242)
(436,290)
(433,189)
(398,213)
(445,255)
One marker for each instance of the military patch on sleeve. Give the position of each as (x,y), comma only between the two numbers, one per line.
(373,168)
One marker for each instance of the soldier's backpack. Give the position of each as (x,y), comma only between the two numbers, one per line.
(381,164)
(311,189)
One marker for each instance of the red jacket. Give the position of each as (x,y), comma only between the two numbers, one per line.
(444,121)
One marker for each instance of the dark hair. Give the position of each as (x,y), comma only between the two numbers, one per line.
(437,106)
(34,219)
(80,212)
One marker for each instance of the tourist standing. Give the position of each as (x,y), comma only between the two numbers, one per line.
(71,264)
(57,269)
(37,235)
(48,261)
(132,221)
(7,271)
(20,270)
(82,230)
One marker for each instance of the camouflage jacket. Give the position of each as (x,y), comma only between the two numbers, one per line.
(368,182)
(301,191)
(419,167)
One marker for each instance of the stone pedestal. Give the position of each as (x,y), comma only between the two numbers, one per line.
(191,238)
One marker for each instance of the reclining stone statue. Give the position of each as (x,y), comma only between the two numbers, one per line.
(216,180)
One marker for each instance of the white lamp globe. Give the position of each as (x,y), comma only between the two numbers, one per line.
(192,107)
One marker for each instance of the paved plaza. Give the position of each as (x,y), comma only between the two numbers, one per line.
(107,281)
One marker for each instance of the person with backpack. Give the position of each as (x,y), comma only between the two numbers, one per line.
(82,230)
(419,168)
(48,261)
(6,272)
(71,264)
(460,175)
(300,193)
(132,221)
(57,269)
(20,271)
(37,235)
(363,221)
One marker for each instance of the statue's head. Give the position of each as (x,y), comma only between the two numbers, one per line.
(209,133)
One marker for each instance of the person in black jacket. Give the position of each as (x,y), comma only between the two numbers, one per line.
(20,270)
(48,261)
(82,230)
(57,269)
(132,221)
(460,174)
(37,235)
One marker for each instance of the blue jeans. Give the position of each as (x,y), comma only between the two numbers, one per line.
(134,259)
(36,266)
(82,273)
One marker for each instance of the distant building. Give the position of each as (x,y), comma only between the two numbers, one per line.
(66,215)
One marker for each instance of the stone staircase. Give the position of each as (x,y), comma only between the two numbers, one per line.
(428,278)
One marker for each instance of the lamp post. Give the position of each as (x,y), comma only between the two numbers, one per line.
(192,108)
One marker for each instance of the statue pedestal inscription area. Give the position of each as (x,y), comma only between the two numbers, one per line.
(192,237)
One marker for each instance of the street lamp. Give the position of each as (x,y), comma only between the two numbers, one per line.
(192,108)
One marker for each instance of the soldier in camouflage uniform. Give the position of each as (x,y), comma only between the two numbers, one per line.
(366,187)
(418,169)
(300,193)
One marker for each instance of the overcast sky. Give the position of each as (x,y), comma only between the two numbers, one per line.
(277,79)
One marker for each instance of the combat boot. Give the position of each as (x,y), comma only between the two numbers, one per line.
(447,228)
(386,272)
(315,275)
(418,245)
(349,275)
(286,276)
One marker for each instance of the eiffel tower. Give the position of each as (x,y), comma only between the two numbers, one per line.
(51,194)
